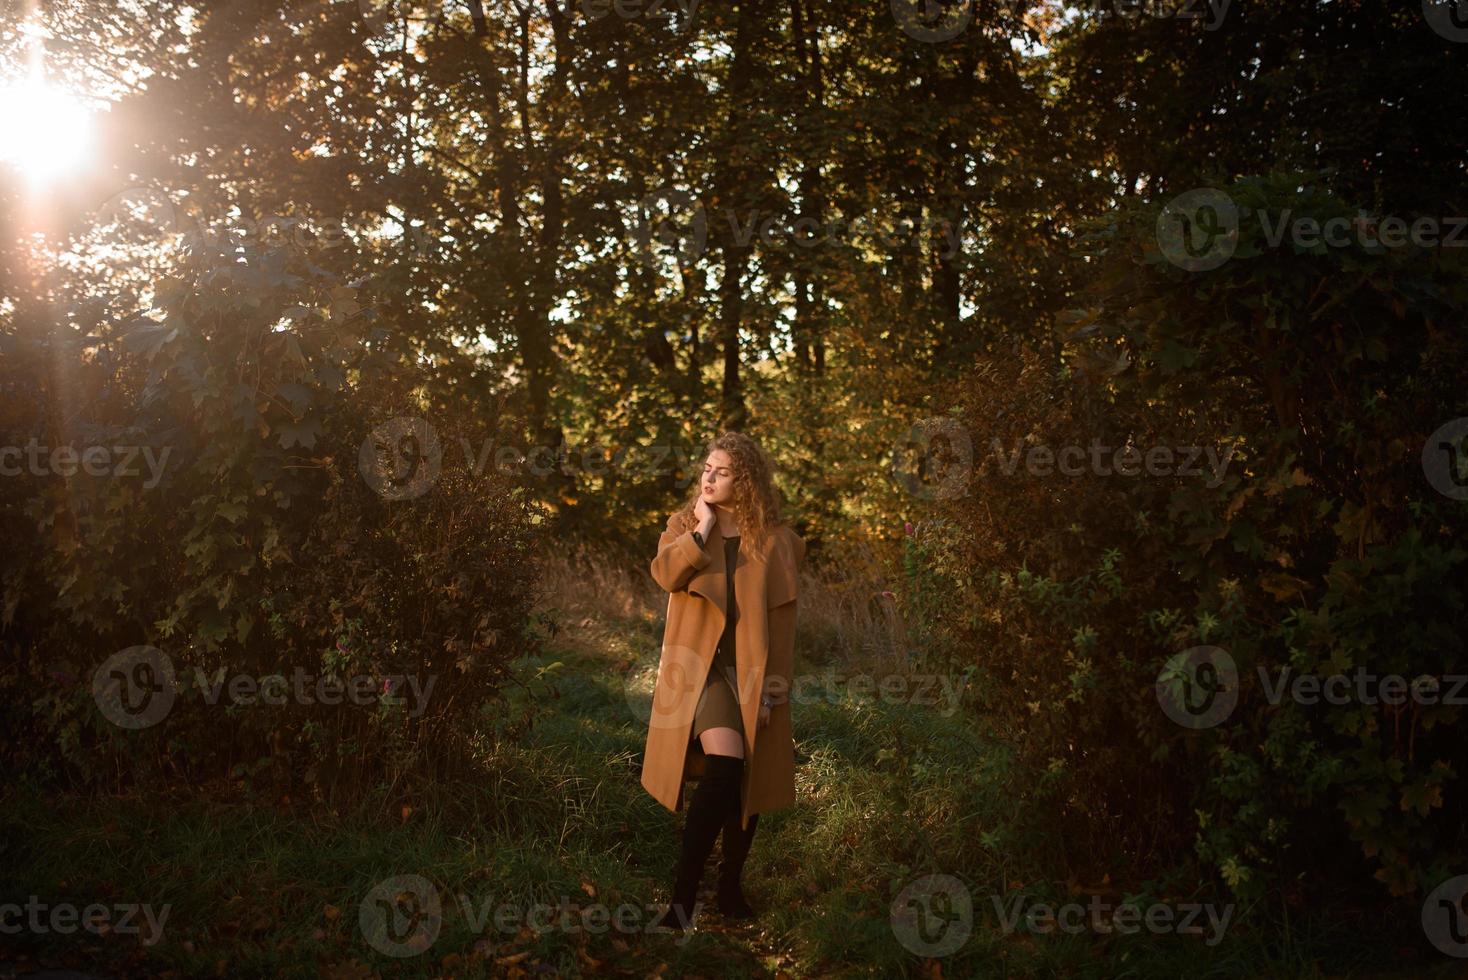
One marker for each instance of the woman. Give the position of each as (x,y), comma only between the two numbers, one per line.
(729,566)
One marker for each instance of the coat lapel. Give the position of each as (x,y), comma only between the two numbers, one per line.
(753,575)
(709,581)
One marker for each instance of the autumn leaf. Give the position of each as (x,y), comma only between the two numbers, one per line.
(1422,797)
(1282,586)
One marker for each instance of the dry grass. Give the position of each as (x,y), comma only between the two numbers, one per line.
(844,618)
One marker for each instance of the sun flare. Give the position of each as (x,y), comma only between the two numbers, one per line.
(44,133)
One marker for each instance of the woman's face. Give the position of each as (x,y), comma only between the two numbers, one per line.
(718,478)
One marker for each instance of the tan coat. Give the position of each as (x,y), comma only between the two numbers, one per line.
(764,651)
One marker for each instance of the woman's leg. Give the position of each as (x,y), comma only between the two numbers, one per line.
(717,795)
(737,838)
(737,842)
(717,791)
(722,741)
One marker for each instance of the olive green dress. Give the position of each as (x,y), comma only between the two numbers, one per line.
(718,707)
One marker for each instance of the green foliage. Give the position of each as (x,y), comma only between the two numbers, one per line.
(258,547)
(1320,547)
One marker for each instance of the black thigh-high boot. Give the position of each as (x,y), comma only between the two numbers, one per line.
(706,813)
(737,841)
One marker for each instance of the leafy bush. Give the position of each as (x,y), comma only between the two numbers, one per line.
(1317,373)
(255,545)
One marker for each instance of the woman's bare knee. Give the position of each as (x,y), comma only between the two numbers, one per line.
(722,741)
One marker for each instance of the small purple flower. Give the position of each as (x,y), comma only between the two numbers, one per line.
(907,528)
(889,594)
(387,686)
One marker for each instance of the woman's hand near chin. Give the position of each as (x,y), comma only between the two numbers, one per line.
(704,513)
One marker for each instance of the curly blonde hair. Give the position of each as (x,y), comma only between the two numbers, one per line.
(755,503)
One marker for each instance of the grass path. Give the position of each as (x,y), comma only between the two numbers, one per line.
(889,791)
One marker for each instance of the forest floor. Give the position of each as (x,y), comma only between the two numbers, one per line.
(916,848)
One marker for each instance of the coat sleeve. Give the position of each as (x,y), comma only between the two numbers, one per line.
(679,557)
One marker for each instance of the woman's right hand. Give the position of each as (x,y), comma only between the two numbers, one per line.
(705,516)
